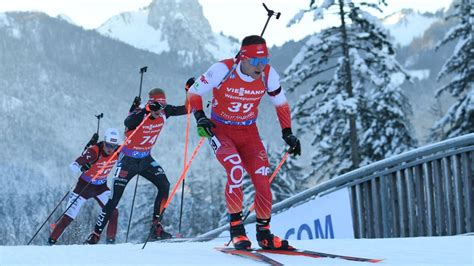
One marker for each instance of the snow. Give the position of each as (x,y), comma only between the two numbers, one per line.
(66,18)
(223,47)
(420,74)
(133,28)
(12,28)
(454,250)
(10,103)
(4,20)
(407,25)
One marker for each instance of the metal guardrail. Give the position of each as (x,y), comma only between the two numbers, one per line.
(424,192)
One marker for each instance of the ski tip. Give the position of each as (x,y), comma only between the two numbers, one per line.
(375,260)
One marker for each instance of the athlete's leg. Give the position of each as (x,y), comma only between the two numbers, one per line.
(102,199)
(126,170)
(73,207)
(255,161)
(154,173)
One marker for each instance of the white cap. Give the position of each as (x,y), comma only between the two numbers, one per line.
(112,136)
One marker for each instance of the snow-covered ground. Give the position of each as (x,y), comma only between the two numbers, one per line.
(455,250)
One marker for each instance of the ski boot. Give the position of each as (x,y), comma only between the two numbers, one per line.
(237,232)
(267,240)
(93,239)
(158,232)
(51,241)
(110,241)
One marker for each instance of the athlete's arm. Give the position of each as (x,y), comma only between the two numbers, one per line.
(84,162)
(171,110)
(134,119)
(278,98)
(205,83)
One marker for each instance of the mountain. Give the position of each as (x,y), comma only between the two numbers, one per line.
(54,77)
(171,26)
(408,24)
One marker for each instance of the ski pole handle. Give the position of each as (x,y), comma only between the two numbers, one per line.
(99,116)
(142,71)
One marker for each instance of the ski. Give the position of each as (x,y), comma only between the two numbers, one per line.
(250,254)
(306,253)
(315,254)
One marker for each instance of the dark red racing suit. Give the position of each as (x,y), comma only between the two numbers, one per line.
(97,189)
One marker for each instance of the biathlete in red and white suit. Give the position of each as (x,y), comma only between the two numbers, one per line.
(94,165)
(237,88)
(135,158)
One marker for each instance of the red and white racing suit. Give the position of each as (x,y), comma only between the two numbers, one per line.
(234,112)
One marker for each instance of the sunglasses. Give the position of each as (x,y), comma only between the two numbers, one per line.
(254,61)
(110,145)
(155,106)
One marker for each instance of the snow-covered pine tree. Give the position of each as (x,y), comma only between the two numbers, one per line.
(361,83)
(459,119)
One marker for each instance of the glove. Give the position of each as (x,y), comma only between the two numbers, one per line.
(204,124)
(189,83)
(135,104)
(155,106)
(292,141)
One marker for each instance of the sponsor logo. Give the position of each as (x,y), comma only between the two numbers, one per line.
(306,232)
(151,127)
(243,91)
(236,173)
(263,170)
(263,155)
(100,219)
(203,79)
(122,173)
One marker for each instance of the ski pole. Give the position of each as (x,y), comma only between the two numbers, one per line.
(92,141)
(99,116)
(252,207)
(142,71)
(185,158)
(100,170)
(183,174)
(270,181)
(51,214)
(270,13)
(94,137)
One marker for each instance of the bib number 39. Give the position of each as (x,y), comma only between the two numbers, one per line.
(237,106)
